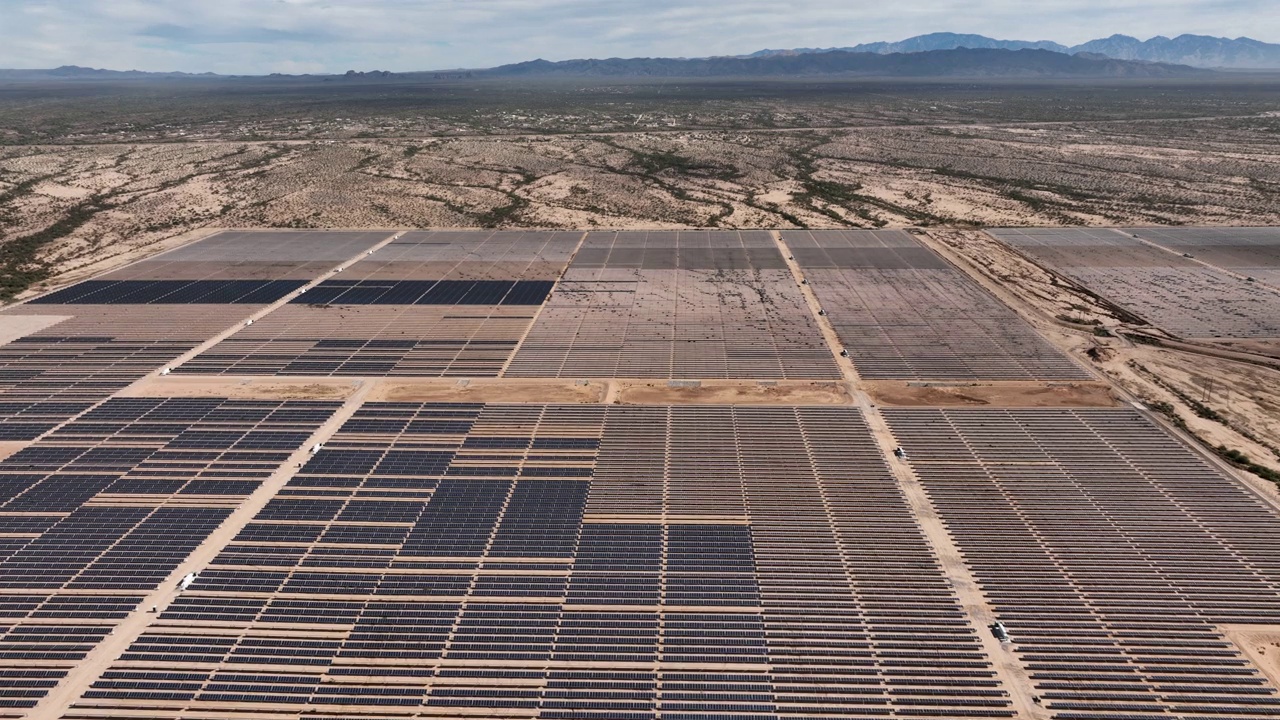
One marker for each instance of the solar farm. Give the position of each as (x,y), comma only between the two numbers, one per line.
(394,474)
(1194,283)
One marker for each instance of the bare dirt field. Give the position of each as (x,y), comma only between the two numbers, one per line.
(728,392)
(243,388)
(13,327)
(9,448)
(1014,395)
(487,391)
(1260,643)
(1259,347)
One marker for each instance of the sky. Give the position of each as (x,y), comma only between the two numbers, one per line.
(318,36)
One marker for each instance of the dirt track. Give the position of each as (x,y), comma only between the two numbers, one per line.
(246,388)
(734,393)
(1014,395)
(487,391)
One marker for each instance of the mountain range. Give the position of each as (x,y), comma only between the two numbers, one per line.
(1195,50)
(75,72)
(933,55)
(960,62)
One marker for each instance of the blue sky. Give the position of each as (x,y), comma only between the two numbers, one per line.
(295,36)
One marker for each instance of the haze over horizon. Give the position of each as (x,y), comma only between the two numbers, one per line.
(332,36)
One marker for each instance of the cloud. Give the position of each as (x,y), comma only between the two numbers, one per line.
(182,34)
(258,36)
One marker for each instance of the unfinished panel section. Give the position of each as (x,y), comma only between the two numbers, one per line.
(1178,294)
(435,304)
(593,562)
(1110,552)
(904,313)
(255,255)
(95,516)
(676,305)
(113,330)
(1252,252)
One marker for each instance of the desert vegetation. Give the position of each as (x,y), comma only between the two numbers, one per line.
(92,170)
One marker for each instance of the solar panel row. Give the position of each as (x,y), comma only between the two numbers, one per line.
(676,305)
(1178,294)
(46,379)
(171,292)
(635,304)
(254,255)
(112,331)
(601,561)
(903,313)
(520,560)
(1253,252)
(1111,554)
(444,304)
(102,510)
(427,292)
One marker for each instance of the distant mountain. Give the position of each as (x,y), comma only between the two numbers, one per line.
(75,72)
(933,63)
(925,43)
(1194,50)
(933,55)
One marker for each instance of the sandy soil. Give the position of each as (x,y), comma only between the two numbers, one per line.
(148,196)
(487,391)
(729,392)
(1013,395)
(244,388)
(1260,643)
(9,448)
(1268,347)
(1247,395)
(13,327)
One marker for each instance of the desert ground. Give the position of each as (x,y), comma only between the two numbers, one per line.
(89,173)
(93,176)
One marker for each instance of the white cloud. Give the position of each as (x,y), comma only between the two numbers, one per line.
(259,36)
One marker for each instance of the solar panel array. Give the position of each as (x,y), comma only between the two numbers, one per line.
(171,292)
(1178,294)
(255,255)
(676,305)
(904,313)
(1253,252)
(595,561)
(98,513)
(1110,552)
(433,304)
(137,319)
(571,562)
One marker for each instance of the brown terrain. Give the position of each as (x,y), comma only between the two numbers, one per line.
(146,194)
(1260,644)
(728,392)
(1013,394)
(89,182)
(243,388)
